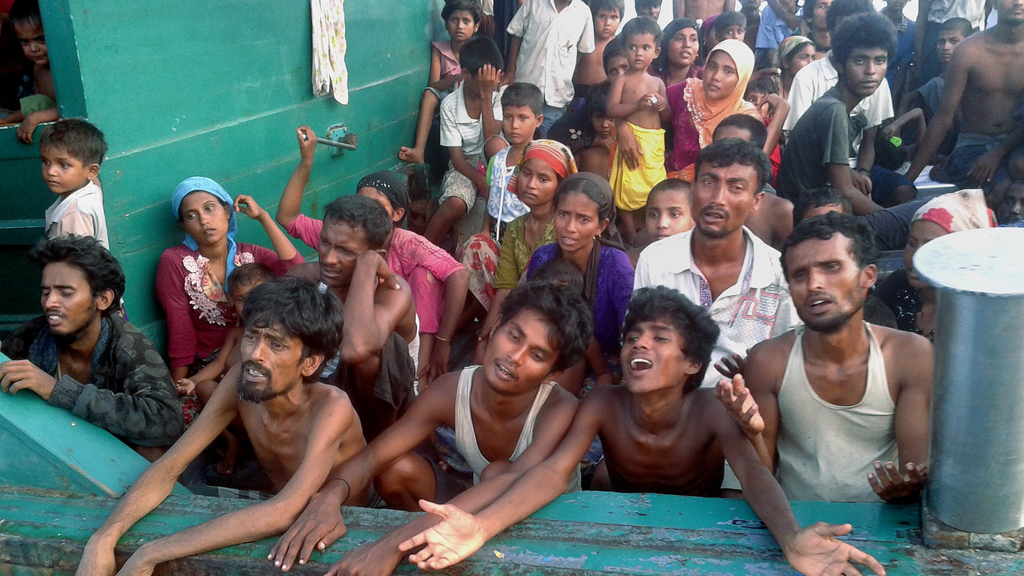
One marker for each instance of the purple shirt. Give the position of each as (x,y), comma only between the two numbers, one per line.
(614,289)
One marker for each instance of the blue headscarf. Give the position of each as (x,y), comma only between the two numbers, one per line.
(202,184)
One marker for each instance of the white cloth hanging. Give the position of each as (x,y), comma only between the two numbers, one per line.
(329,46)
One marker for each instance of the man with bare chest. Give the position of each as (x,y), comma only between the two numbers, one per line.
(984,81)
(719,264)
(300,429)
(661,433)
(700,9)
(375,363)
(838,407)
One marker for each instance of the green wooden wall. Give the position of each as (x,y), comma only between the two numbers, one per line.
(187,88)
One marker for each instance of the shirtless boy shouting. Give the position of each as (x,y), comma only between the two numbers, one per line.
(640,100)
(661,433)
(300,429)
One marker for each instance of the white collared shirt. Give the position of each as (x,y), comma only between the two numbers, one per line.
(818,77)
(756,308)
(458,128)
(552,41)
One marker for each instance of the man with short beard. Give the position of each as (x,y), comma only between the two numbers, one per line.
(720,264)
(839,407)
(82,357)
(301,430)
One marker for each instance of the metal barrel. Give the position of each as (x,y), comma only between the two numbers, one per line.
(976,470)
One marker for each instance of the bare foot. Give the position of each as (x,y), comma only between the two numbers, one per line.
(411,155)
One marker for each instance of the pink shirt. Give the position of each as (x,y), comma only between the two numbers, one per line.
(449,61)
(196,324)
(411,256)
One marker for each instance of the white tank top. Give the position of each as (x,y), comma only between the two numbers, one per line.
(465,433)
(825,450)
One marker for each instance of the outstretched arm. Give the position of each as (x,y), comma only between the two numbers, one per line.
(813,550)
(291,200)
(956,81)
(156,483)
(259,520)
(460,535)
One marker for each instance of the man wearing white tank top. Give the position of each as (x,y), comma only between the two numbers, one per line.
(838,407)
(508,416)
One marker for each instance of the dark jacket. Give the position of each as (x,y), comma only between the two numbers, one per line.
(131,394)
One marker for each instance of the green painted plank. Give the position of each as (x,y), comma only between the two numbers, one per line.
(48,530)
(55,449)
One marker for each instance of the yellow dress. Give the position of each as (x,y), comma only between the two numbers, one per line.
(631,187)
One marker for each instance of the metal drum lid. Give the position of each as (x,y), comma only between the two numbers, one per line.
(988,260)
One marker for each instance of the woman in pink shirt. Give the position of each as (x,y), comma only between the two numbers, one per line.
(191,279)
(439,282)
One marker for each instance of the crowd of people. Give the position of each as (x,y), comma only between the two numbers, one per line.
(662,246)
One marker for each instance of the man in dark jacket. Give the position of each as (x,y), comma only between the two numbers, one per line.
(81,356)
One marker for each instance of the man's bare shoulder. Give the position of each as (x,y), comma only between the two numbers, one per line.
(905,349)
(307,270)
(602,402)
(766,363)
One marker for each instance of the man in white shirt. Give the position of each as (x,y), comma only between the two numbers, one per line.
(721,265)
(547,37)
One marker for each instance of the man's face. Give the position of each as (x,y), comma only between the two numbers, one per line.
(67,301)
(617,66)
(946,43)
(641,51)
(33,43)
(64,173)
(820,11)
(826,284)
(895,6)
(723,196)
(652,357)
(1011,12)
(606,22)
(1011,209)
(864,70)
(520,353)
(519,123)
(667,214)
(272,364)
(340,246)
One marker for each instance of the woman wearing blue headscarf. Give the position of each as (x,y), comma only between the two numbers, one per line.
(191,280)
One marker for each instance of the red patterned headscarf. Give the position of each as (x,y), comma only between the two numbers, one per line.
(957,211)
(554,154)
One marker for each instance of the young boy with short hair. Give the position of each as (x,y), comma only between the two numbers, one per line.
(72,151)
(469,116)
(667,213)
(639,98)
(590,68)
(649,8)
(661,433)
(730,26)
(546,38)
(41,105)
(507,413)
(521,106)
(462,20)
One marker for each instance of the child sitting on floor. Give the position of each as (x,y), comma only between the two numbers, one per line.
(590,66)
(640,99)
(71,151)
(461,19)
(41,106)
(469,116)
